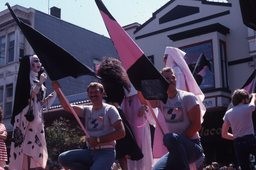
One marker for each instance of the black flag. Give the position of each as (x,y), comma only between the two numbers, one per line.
(57,62)
(248,8)
(200,64)
(249,85)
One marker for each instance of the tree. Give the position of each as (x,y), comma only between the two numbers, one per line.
(62,135)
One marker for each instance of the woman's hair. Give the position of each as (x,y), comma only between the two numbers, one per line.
(239,95)
(114,79)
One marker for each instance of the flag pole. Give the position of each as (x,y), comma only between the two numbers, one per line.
(66,105)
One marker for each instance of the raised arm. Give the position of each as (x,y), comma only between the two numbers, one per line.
(253,99)
(79,110)
(118,133)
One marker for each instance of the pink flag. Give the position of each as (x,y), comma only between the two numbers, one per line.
(142,73)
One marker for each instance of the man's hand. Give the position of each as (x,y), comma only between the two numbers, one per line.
(143,110)
(92,141)
(43,78)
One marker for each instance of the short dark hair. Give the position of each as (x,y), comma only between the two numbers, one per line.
(239,95)
(97,85)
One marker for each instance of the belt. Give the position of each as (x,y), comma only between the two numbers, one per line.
(102,147)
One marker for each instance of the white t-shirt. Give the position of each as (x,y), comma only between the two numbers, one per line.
(240,119)
(175,111)
(99,123)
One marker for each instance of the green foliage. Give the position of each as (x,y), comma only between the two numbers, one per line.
(63,135)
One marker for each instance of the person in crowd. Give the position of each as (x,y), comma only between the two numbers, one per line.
(3,136)
(117,85)
(182,120)
(174,58)
(239,119)
(139,116)
(104,126)
(28,146)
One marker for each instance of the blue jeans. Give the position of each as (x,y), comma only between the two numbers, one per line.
(87,159)
(182,152)
(244,146)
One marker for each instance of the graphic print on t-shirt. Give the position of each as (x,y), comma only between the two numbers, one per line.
(173,112)
(95,120)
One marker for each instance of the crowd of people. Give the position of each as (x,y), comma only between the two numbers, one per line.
(118,121)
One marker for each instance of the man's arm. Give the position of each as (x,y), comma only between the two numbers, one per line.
(119,133)
(79,110)
(224,131)
(194,116)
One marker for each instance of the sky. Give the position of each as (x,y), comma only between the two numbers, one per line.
(84,13)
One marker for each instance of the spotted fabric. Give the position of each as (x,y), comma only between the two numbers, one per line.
(28,138)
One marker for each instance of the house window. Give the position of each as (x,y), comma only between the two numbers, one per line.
(2,50)
(21,46)
(11,43)
(9,98)
(21,53)
(223,56)
(199,58)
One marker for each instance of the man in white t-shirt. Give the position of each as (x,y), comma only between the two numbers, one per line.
(182,119)
(104,126)
(239,118)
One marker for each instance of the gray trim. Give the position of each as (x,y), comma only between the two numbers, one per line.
(184,24)
(240,61)
(216,3)
(199,31)
(180,11)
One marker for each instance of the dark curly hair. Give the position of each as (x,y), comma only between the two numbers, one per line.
(114,79)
